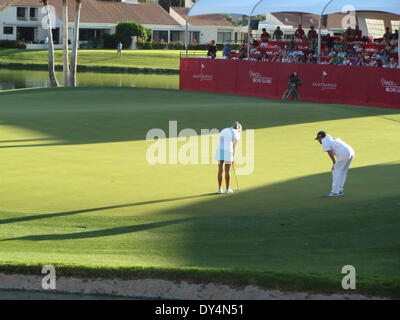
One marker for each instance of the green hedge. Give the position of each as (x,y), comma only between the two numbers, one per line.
(12,44)
(126,30)
(110,41)
(123,33)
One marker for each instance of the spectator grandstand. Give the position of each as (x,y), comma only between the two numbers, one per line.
(349,49)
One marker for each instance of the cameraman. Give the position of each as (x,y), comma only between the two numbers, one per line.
(294,82)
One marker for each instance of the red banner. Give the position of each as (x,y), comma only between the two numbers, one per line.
(320,83)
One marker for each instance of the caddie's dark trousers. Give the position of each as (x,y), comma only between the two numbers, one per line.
(292,92)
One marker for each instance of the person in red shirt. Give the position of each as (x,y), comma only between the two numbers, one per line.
(299,34)
(265,35)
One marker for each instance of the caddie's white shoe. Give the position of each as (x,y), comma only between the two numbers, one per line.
(229,191)
(332,194)
(220,191)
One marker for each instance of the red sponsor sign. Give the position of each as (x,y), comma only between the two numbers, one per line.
(320,83)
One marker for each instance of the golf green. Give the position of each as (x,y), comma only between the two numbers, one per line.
(77,189)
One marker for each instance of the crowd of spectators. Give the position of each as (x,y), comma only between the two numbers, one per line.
(351,49)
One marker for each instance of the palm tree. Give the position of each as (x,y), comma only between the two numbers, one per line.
(75,45)
(51,68)
(65,43)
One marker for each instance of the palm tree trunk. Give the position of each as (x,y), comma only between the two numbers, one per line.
(75,45)
(65,43)
(51,68)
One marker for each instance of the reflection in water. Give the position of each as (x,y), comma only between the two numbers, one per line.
(18,79)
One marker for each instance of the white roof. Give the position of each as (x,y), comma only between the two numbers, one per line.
(255,7)
(273,26)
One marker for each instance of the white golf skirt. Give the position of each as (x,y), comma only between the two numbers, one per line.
(224,155)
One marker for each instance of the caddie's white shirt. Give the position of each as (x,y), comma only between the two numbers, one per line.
(226,139)
(340,149)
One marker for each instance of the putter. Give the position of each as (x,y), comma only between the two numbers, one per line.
(237,184)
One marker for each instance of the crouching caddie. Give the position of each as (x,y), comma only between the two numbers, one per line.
(342,155)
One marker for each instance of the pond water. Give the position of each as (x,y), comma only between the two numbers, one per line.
(18,79)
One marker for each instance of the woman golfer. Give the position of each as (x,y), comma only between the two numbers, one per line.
(225,153)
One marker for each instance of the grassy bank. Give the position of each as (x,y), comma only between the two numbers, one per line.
(269,280)
(78,192)
(154,59)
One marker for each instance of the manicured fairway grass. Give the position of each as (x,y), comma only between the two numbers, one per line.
(164,59)
(76,191)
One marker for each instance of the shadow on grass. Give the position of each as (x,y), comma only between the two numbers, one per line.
(24,140)
(69,213)
(285,213)
(32,145)
(95,115)
(364,184)
(292,226)
(101,233)
(28,145)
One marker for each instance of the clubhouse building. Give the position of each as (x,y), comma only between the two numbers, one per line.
(22,20)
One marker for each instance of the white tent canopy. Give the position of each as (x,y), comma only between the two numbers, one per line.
(256,7)
(243,7)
